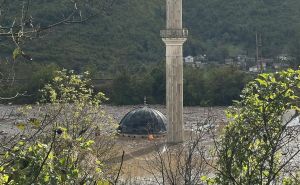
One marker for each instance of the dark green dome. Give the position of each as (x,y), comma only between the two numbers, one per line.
(143,121)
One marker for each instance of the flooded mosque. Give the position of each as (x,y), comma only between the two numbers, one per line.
(149,121)
(142,122)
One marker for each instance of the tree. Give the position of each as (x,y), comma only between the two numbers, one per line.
(260,144)
(64,142)
(182,163)
(20,82)
(122,92)
(18,23)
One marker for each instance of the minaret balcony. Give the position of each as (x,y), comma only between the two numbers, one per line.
(174,33)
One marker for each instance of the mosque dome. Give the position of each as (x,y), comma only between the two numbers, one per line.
(143,121)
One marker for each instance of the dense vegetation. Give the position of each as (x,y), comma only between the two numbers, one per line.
(126,40)
(205,87)
(129,34)
(260,143)
(60,143)
(210,86)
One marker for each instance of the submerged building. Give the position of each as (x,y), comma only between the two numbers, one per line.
(143,122)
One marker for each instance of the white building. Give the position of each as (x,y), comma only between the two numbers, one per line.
(256,69)
(189,59)
(200,58)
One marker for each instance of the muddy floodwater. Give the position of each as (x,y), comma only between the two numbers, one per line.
(192,115)
(136,149)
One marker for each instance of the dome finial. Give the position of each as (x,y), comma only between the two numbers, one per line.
(145,100)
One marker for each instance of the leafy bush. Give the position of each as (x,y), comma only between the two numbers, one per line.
(259,145)
(63,142)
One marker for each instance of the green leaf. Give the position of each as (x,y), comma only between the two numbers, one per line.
(204,178)
(21,126)
(35,122)
(87,144)
(5,178)
(102,182)
(262,82)
(16,53)
(75,172)
(46,178)
(264,75)
(62,161)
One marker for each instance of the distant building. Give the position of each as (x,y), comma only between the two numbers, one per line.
(198,61)
(229,61)
(239,62)
(284,58)
(199,64)
(201,58)
(256,69)
(242,65)
(241,58)
(280,65)
(143,121)
(268,60)
(253,69)
(189,60)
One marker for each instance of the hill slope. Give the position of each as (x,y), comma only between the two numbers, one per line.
(129,36)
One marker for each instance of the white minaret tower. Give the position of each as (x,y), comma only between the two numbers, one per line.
(174,36)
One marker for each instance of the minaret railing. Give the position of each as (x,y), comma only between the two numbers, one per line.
(174,33)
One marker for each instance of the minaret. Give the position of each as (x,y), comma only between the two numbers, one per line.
(174,36)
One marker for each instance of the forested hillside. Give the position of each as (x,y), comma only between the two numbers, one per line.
(124,43)
(223,28)
(129,34)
